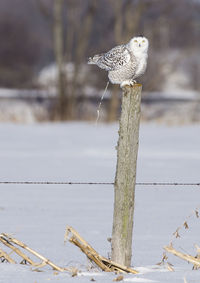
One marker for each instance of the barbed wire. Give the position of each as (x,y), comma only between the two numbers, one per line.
(95,183)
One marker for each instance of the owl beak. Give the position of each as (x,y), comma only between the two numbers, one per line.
(139,45)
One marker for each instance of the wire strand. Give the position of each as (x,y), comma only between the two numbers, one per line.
(94,183)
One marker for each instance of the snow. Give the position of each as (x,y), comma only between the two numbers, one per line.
(38,215)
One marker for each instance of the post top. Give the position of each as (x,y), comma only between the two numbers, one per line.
(132,86)
(135,85)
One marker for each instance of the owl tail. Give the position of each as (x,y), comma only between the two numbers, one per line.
(94,60)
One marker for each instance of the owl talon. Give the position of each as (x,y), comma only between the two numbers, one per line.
(124,83)
(127,82)
(133,82)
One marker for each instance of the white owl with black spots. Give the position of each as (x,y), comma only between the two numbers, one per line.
(124,63)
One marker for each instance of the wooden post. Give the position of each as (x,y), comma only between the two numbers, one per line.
(125,177)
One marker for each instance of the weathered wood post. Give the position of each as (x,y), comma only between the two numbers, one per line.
(125,177)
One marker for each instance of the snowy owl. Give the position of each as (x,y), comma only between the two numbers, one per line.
(124,63)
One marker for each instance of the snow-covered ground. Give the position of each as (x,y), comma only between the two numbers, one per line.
(38,215)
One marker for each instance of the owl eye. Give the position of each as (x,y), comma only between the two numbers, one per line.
(143,41)
(135,40)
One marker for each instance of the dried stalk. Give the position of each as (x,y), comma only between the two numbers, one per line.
(77,235)
(16,250)
(185,225)
(22,245)
(89,253)
(102,262)
(6,256)
(189,258)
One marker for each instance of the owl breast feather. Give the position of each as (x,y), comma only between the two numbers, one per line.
(126,72)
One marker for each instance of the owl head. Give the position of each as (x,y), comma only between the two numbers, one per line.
(139,44)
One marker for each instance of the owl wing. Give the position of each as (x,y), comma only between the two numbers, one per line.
(114,59)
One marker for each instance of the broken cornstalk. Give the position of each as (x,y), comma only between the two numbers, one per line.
(4,256)
(195,261)
(102,262)
(11,243)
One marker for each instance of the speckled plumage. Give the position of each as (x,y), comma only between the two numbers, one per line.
(124,63)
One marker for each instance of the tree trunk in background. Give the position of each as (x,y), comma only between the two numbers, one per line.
(126,175)
(82,37)
(118,20)
(59,55)
(118,31)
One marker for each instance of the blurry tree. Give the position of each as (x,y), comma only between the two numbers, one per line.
(24,43)
(58,40)
(18,52)
(72,26)
(77,40)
